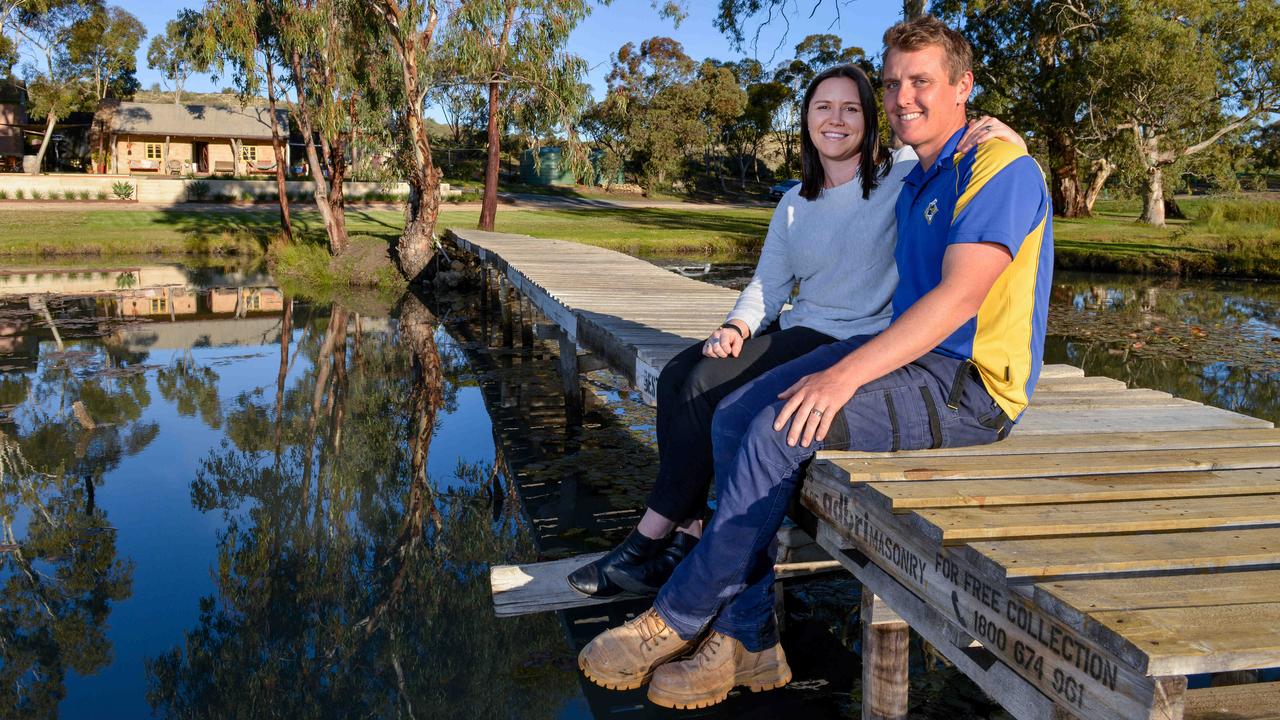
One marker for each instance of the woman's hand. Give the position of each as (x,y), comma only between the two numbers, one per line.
(811,404)
(726,342)
(985,128)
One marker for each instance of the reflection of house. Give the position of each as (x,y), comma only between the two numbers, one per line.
(226,300)
(75,280)
(157,301)
(163,138)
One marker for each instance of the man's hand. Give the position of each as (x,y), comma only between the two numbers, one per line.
(811,404)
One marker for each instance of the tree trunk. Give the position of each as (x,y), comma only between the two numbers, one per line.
(236,148)
(282,192)
(1153,198)
(489,206)
(912,9)
(1068,194)
(335,228)
(1102,169)
(50,121)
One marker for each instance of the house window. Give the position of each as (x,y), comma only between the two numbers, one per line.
(155,151)
(253,300)
(249,153)
(159,305)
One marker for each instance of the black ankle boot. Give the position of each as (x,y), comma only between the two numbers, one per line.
(601,578)
(655,573)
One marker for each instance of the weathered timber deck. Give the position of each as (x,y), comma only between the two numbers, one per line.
(1119,540)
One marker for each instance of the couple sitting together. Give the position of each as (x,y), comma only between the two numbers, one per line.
(918,323)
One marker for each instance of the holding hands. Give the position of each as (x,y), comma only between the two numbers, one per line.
(727,340)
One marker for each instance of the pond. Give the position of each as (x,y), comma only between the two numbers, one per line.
(222,501)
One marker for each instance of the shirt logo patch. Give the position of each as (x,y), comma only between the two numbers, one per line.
(930,211)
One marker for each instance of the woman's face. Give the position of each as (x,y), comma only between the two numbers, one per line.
(836,124)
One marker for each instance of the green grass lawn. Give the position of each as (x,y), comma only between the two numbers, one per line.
(1235,239)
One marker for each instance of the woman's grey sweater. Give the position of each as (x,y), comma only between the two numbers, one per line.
(839,249)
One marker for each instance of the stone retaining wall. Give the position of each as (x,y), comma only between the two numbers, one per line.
(164,190)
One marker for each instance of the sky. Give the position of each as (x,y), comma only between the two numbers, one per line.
(858,22)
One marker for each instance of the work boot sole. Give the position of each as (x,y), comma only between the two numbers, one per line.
(629,683)
(678,701)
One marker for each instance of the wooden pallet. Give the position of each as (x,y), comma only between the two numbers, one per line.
(1093,570)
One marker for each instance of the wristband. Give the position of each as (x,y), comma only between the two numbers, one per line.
(736,329)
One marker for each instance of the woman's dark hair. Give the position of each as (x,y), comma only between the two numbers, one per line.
(875,161)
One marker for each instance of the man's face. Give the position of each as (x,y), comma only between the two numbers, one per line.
(923,105)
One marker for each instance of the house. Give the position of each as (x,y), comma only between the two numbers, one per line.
(164,138)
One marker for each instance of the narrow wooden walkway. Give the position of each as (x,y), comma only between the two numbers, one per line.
(1118,541)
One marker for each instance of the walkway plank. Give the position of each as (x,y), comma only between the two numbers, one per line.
(1077,488)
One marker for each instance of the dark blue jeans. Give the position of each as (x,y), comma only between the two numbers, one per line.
(727,580)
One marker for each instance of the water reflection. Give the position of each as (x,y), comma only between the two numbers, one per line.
(1216,342)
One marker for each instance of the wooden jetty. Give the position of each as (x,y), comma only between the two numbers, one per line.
(1119,541)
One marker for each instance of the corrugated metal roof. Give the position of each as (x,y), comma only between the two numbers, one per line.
(196,120)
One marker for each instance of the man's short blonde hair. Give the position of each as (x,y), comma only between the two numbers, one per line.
(923,32)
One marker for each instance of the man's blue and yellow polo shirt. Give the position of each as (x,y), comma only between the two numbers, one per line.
(993,194)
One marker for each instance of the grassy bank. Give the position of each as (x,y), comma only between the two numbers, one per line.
(1238,238)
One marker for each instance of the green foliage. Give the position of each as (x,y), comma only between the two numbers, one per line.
(83,194)
(122,189)
(1254,212)
(102,195)
(104,46)
(180,51)
(4,194)
(19,194)
(197,191)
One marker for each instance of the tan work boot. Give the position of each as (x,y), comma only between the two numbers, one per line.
(719,665)
(624,658)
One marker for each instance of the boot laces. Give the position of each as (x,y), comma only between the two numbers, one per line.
(707,651)
(651,628)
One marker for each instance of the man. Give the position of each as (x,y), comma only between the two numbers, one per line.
(957,366)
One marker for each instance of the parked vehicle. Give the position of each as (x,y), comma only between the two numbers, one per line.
(777,191)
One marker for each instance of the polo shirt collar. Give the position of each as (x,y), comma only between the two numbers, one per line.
(946,160)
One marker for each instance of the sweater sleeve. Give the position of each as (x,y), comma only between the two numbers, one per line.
(770,287)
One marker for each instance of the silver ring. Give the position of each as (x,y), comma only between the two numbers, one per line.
(816,411)
(986,127)
(714,341)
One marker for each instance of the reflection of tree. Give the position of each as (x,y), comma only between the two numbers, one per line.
(194,389)
(348,582)
(58,576)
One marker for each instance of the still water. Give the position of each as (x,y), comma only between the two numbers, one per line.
(220,501)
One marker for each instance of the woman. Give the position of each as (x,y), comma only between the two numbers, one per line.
(831,239)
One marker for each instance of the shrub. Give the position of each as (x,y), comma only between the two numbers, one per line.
(197,191)
(69,195)
(4,194)
(19,194)
(123,190)
(84,194)
(102,194)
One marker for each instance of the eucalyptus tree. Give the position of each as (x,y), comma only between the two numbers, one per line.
(176,54)
(1217,72)
(105,45)
(247,34)
(517,47)
(55,89)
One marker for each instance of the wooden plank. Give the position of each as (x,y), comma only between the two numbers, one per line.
(1068,667)
(910,467)
(1106,420)
(1085,488)
(1078,597)
(1019,444)
(1019,697)
(966,524)
(1255,701)
(1212,638)
(1212,550)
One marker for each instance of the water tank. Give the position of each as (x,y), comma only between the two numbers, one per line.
(548,170)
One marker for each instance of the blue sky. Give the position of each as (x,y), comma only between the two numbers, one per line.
(860,22)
